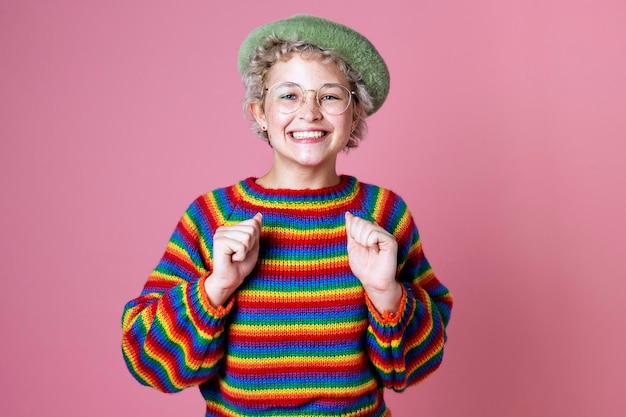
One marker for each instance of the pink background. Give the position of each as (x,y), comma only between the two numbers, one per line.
(504,130)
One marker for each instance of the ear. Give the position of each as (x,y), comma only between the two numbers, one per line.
(258,113)
(355,123)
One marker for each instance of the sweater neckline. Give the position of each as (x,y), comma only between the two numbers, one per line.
(344,190)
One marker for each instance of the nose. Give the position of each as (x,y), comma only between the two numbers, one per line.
(310,110)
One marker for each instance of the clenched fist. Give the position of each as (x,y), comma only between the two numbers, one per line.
(235,253)
(373,258)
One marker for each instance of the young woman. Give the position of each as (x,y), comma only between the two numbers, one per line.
(302,292)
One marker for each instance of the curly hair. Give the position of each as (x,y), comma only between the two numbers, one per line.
(275,50)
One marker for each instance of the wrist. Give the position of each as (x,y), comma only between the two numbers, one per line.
(387,300)
(217,294)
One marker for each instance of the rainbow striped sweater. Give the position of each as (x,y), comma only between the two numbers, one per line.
(299,337)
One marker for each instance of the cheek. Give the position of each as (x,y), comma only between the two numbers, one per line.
(278,121)
(276,125)
(344,124)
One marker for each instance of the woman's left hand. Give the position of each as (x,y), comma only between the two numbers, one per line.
(373,258)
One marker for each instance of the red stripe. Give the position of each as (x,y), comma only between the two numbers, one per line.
(252,302)
(340,333)
(301,369)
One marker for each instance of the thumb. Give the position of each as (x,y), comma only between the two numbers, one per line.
(349,217)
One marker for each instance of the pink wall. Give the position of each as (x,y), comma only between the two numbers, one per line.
(504,130)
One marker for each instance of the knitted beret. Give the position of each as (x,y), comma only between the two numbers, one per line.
(353,47)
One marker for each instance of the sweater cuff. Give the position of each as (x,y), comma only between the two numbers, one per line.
(387,318)
(388,328)
(216,313)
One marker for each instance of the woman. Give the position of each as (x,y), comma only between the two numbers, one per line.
(301,292)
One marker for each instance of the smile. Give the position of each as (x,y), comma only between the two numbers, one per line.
(316,134)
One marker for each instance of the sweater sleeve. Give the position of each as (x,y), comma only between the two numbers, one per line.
(172,337)
(407,346)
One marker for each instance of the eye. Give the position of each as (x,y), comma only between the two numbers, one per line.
(288,96)
(287,92)
(329,97)
(333,92)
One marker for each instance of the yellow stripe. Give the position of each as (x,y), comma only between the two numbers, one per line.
(293,263)
(304,205)
(296,296)
(291,328)
(306,234)
(173,248)
(300,392)
(288,360)
(165,279)
(214,208)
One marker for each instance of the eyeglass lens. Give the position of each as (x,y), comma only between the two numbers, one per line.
(332,99)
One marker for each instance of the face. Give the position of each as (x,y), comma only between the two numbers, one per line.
(307,138)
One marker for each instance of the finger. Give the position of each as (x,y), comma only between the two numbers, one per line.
(258,224)
(366,233)
(360,230)
(374,240)
(254,221)
(353,228)
(252,225)
(252,235)
(349,217)
(236,250)
(239,237)
(243,237)
(354,225)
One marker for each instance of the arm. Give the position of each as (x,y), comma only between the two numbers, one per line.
(405,343)
(173,337)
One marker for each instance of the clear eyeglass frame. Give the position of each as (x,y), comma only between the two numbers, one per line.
(331,98)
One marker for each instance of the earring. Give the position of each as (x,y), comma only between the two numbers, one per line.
(264,128)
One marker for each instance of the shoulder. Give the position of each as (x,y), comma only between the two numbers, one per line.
(380,200)
(386,208)
(218,203)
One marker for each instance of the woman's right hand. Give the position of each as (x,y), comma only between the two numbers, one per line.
(235,253)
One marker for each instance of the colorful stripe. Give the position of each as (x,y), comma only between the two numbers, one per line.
(299,337)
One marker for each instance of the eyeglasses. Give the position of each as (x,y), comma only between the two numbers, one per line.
(332,99)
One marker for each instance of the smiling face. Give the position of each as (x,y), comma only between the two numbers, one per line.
(308,140)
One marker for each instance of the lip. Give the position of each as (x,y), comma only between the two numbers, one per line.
(308,135)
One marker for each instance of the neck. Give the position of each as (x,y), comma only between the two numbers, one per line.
(298,180)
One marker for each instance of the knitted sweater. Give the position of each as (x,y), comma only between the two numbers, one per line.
(299,337)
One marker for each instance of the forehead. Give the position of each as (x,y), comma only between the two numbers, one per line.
(310,72)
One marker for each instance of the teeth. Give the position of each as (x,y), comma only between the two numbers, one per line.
(307,135)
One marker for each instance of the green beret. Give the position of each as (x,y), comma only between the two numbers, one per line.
(353,47)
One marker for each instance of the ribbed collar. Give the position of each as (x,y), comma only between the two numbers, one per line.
(337,194)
